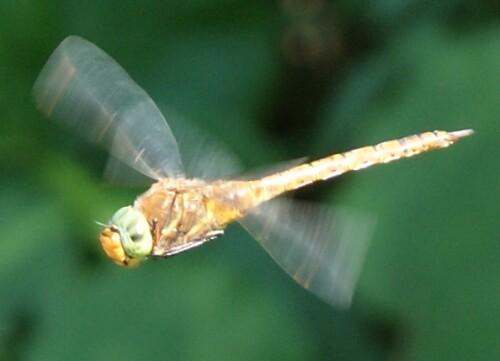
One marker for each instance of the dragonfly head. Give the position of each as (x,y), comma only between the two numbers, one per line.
(127,239)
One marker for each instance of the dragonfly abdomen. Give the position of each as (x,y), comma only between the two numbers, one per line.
(337,164)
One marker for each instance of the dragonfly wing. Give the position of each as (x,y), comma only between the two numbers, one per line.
(118,173)
(203,155)
(85,89)
(322,248)
(267,170)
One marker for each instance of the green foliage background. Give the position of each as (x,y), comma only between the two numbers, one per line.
(273,81)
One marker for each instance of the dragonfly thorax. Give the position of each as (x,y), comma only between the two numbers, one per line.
(184,213)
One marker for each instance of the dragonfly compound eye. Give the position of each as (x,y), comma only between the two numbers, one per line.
(127,240)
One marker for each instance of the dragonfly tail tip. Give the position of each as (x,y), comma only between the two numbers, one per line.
(462,133)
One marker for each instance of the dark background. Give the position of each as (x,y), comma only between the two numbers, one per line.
(273,81)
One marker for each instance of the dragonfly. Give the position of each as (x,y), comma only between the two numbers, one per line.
(320,247)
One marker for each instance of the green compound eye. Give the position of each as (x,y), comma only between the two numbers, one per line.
(133,228)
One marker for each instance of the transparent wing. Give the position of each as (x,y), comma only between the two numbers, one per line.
(85,89)
(321,248)
(268,170)
(119,173)
(203,155)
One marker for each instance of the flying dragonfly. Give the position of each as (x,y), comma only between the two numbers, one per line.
(83,88)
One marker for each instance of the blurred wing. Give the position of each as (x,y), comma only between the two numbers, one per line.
(268,170)
(203,155)
(84,88)
(321,248)
(119,173)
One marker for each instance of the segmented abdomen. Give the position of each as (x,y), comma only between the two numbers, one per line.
(360,158)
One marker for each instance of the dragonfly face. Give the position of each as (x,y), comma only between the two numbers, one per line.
(127,239)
